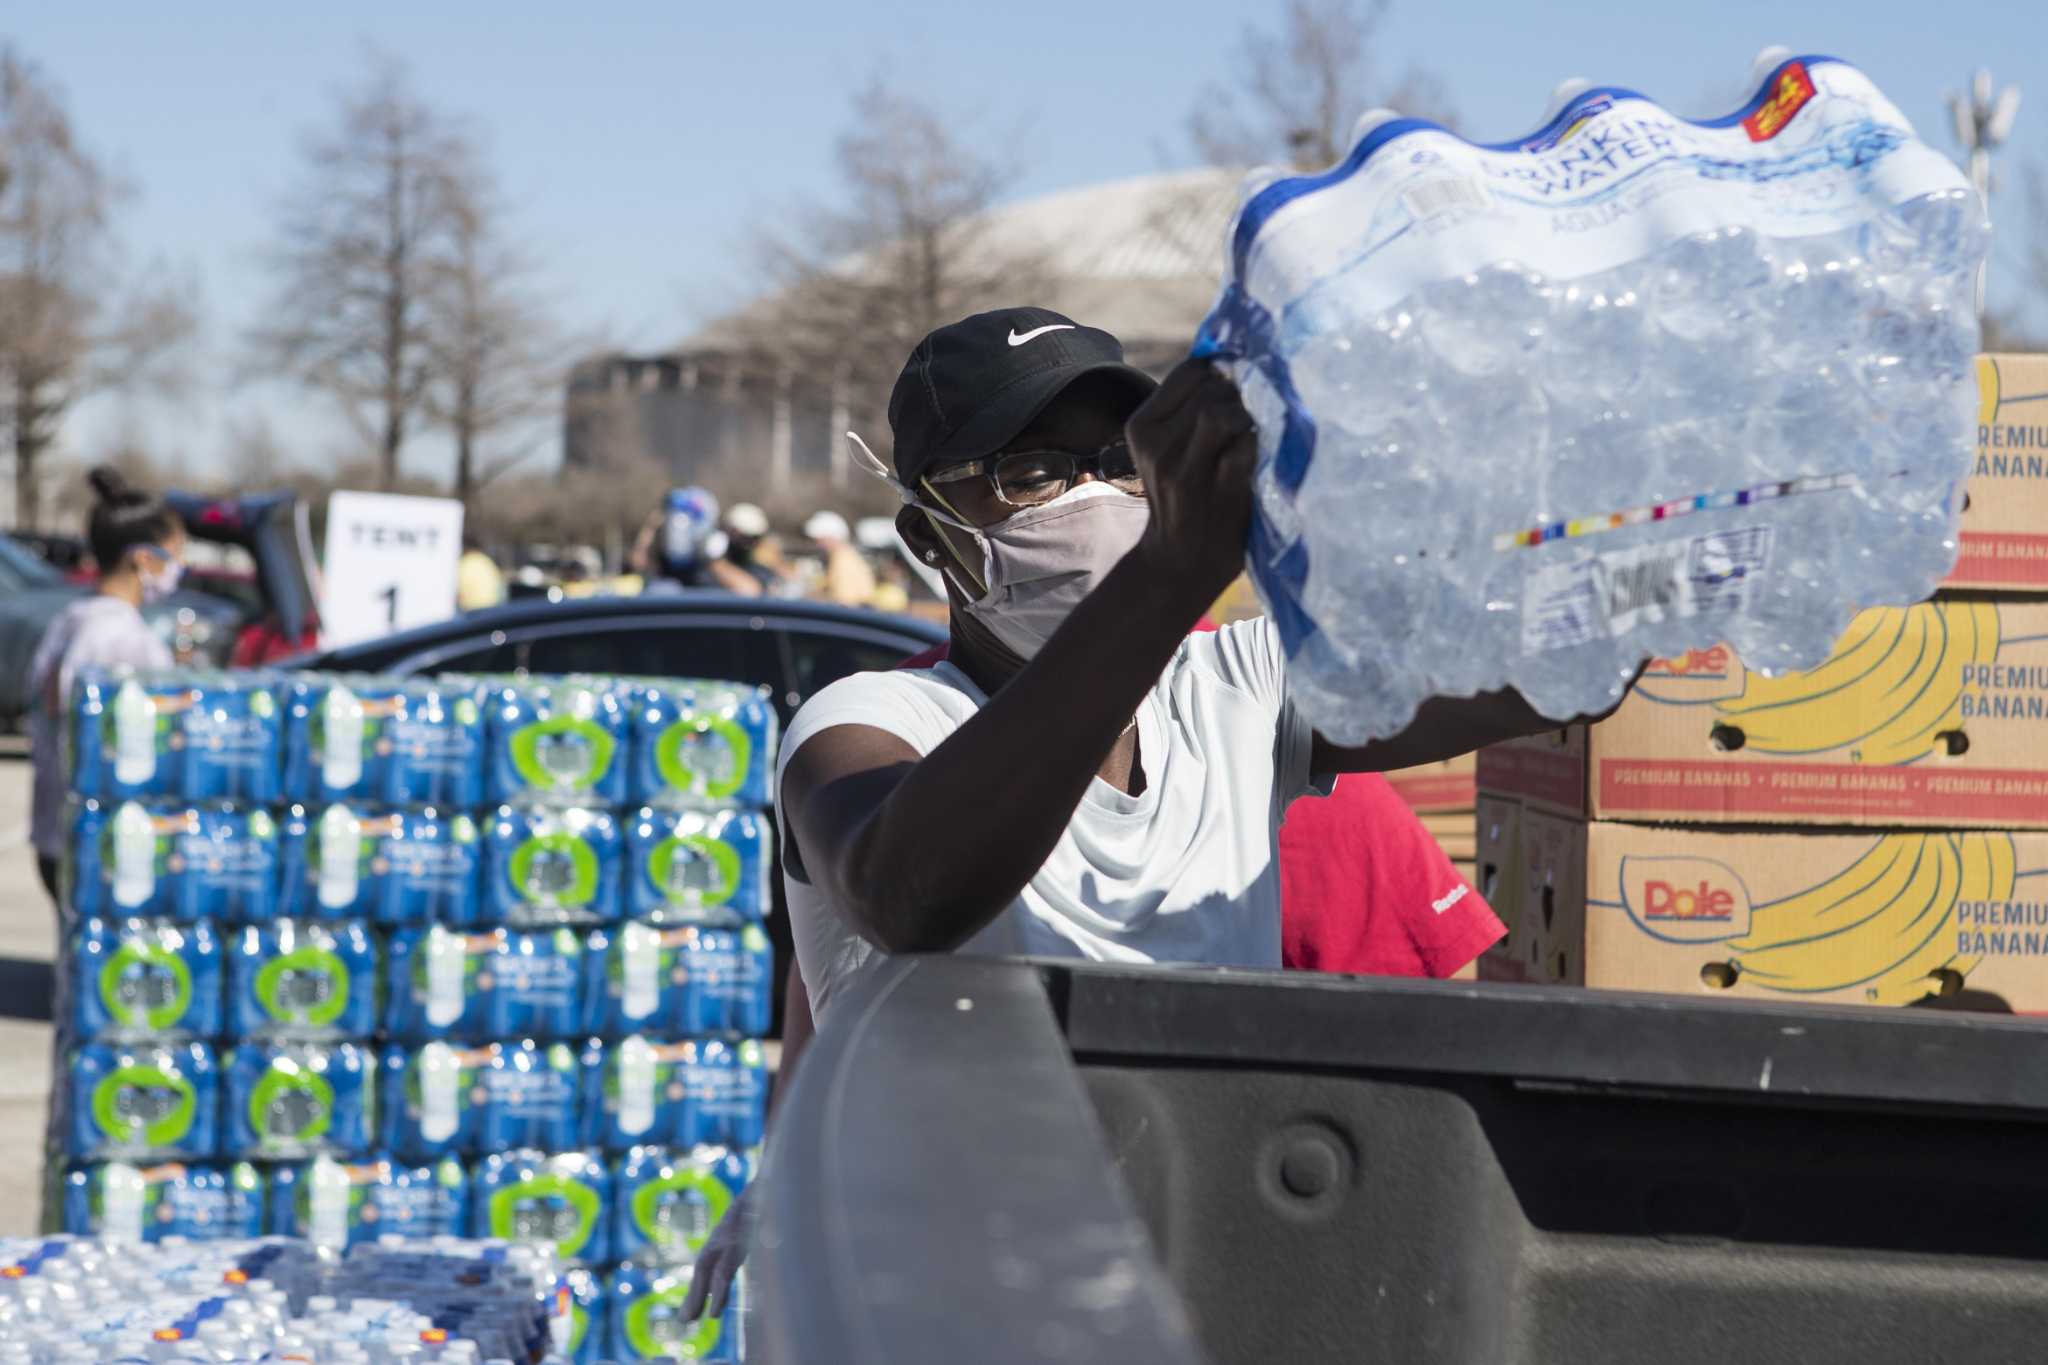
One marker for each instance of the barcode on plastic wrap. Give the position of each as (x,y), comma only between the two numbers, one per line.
(1564,605)
(1652,583)
(1445,194)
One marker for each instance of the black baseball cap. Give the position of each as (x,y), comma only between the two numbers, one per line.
(972,385)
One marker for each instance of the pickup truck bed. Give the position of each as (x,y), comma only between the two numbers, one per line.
(1012,1161)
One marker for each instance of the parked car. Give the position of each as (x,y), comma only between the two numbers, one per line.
(68,555)
(275,611)
(793,647)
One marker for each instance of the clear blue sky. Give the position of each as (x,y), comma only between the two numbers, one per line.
(640,139)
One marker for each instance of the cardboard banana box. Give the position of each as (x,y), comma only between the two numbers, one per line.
(1933,715)
(1455,833)
(2005,512)
(1497,870)
(1845,918)
(1445,786)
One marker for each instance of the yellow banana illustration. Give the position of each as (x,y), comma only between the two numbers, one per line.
(1883,924)
(1971,638)
(1894,683)
(1877,878)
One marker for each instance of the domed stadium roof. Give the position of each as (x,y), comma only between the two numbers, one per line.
(1139,257)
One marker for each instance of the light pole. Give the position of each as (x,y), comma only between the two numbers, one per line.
(1982,123)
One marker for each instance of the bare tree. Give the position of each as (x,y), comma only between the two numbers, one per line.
(906,248)
(584,506)
(1304,86)
(67,329)
(359,245)
(499,364)
(253,457)
(71,497)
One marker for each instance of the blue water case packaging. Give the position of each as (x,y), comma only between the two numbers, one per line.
(123,1202)
(532,1094)
(291,1100)
(174,861)
(144,979)
(691,866)
(128,1100)
(535,984)
(396,867)
(644,1303)
(501,983)
(669,1200)
(429,1104)
(675,982)
(697,1092)
(561,1201)
(698,743)
(340,1204)
(556,741)
(551,866)
(436,985)
(381,741)
(192,736)
(578,1332)
(303,979)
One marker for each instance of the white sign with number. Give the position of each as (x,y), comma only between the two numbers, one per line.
(390,564)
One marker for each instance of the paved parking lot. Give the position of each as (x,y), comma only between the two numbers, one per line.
(28,937)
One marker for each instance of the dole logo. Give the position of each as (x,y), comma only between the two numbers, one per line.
(1697,662)
(1662,900)
(1700,675)
(1790,91)
(1685,900)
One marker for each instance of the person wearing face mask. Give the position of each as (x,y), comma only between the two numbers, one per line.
(1080,777)
(139,545)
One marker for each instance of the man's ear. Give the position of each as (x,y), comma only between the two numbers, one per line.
(928,541)
(917,533)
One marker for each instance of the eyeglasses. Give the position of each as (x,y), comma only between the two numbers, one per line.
(1028,478)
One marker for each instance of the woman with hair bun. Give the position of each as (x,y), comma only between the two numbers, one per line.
(139,545)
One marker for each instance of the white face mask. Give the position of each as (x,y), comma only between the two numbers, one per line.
(1040,562)
(161,583)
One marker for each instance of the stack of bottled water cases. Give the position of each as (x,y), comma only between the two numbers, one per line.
(67,1299)
(351,957)
(1533,412)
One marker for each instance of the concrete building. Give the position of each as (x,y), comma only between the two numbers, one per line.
(1140,257)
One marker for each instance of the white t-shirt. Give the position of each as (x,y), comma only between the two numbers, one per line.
(1185,872)
(96,631)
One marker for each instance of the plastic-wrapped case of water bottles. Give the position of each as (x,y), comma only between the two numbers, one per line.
(395,1301)
(357,957)
(1532,412)
(625,1230)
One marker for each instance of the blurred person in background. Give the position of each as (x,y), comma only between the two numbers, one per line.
(479,582)
(892,588)
(771,559)
(848,579)
(139,544)
(682,545)
(746,532)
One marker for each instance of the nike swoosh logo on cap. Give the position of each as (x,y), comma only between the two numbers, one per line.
(1018,339)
